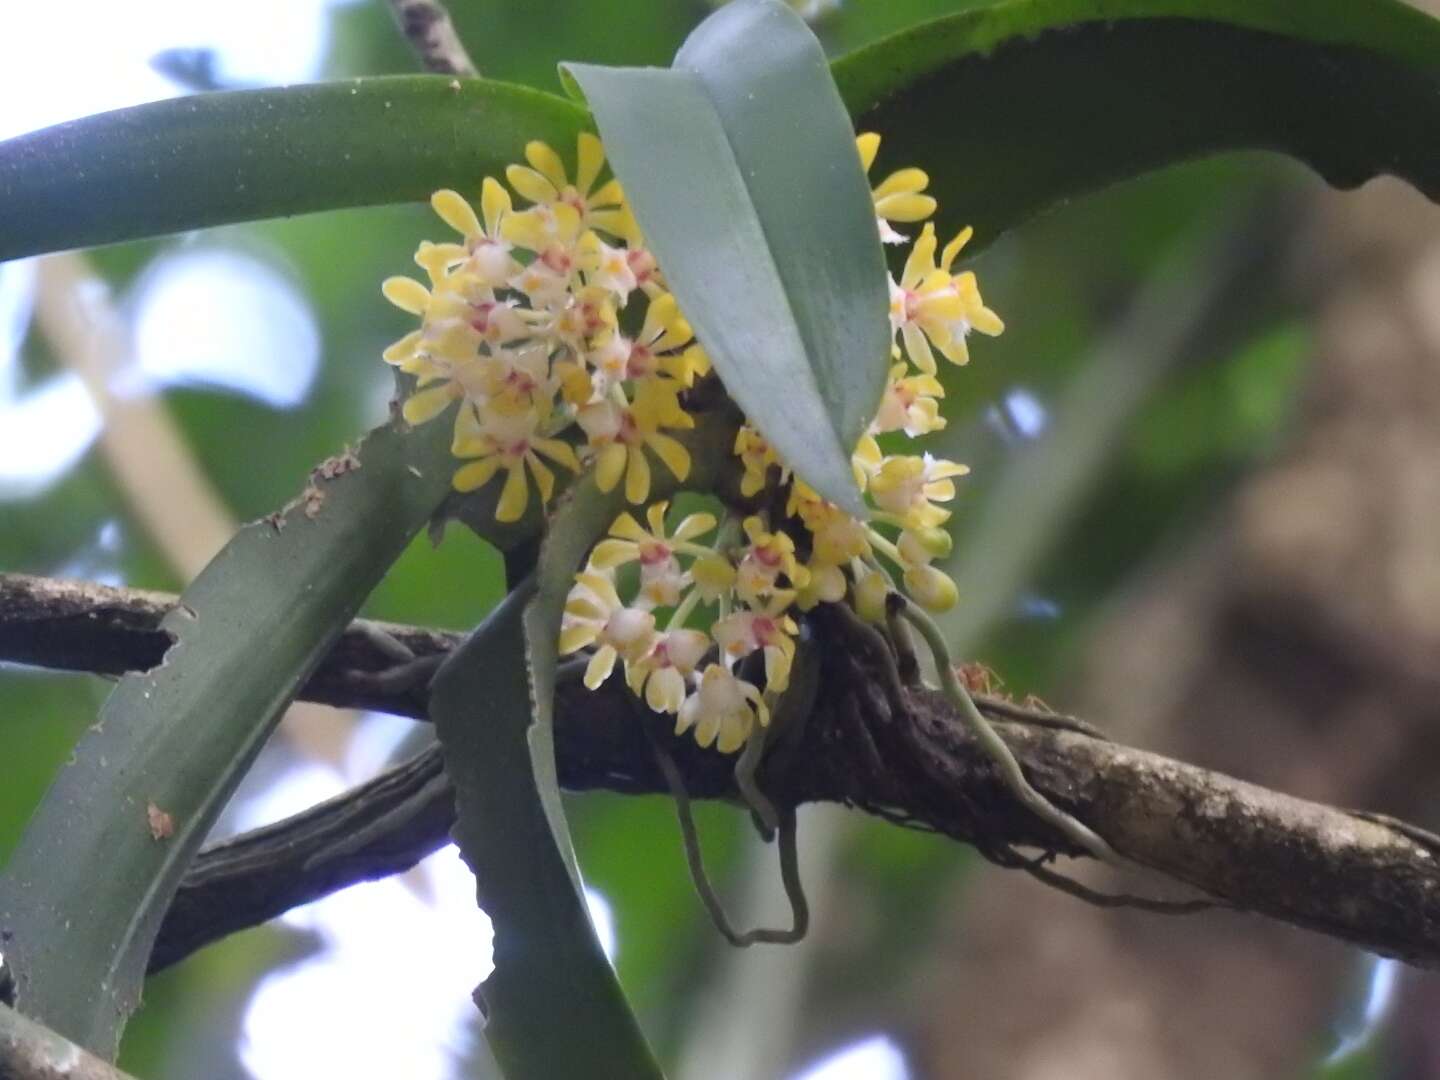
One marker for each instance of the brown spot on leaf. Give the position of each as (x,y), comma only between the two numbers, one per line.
(162,825)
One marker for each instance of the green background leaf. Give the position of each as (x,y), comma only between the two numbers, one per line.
(239,155)
(83,895)
(553,1004)
(1016,107)
(793,142)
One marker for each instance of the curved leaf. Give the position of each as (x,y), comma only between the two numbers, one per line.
(553,1005)
(1013,108)
(741,167)
(83,895)
(212,159)
(1019,106)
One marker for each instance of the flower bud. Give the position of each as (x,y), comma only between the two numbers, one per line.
(931,588)
(919,545)
(870,598)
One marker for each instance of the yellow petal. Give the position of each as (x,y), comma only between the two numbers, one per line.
(544,478)
(707,728)
(672,452)
(921,260)
(905,207)
(494,203)
(402,350)
(515,495)
(576,637)
(546,162)
(531,185)
(610,195)
(694,525)
(952,249)
(591,159)
(600,666)
(456,212)
(637,477)
(868,145)
(732,735)
(476,475)
(558,451)
(609,465)
(902,181)
(665,691)
(626,527)
(918,348)
(427,404)
(407,294)
(609,554)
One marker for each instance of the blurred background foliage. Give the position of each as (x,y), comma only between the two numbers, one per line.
(1206,413)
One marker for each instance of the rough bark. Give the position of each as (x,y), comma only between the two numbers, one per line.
(871,743)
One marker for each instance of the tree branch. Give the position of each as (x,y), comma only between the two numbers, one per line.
(901,756)
(427,26)
(30,1051)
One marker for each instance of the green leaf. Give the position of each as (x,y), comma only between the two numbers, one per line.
(741,167)
(553,1005)
(1019,106)
(1013,108)
(211,159)
(83,895)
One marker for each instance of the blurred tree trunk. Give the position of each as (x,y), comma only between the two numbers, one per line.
(1294,644)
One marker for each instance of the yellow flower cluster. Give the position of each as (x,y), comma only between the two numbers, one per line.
(748,586)
(752,587)
(521,324)
(931,309)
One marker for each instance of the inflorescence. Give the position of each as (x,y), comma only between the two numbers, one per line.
(552,327)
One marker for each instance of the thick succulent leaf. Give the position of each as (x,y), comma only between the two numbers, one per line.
(741,168)
(1019,106)
(770,84)
(212,159)
(1013,108)
(553,1005)
(82,897)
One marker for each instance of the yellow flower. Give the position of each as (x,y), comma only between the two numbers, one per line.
(769,629)
(510,441)
(713,576)
(485,253)
(870,592)
(930,303)
(931,587)
(722,711)
(661,579)
(553,234)
(545,183)
(651,352)
(899,197)
(663,670)
(619,434)
(909,486)
(909,404)
(594,615)
(826,586)
(768,556)
(606,267)
(836,537)
(924,305)
(756,456)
